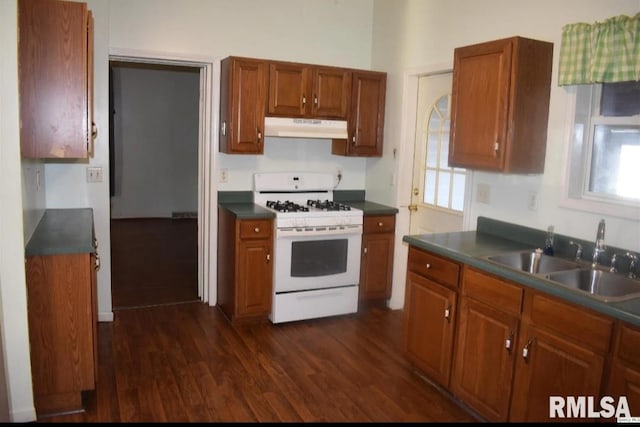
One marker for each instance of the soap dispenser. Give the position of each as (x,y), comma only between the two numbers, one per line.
(548,244)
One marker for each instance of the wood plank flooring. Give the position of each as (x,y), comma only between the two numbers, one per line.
(188,363)
(154,261)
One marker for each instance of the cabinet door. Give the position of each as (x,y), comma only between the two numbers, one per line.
(376,267)
(624,381)
(366,120)
(624,377)
(242,105)
(550,365)
(331,91)
(479,105)
(289,93)
(254,272)
(61,330)
(429,313)
(53,79)
(485,356)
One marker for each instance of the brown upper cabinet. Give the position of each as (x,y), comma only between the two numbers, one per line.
(55,60)
(299,90)
(251,89)
(366,118)
(243,91)
(500,105)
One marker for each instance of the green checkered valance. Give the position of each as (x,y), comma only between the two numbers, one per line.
(603,52)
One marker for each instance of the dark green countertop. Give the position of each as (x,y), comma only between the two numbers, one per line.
(372,208)
(63,231)
(247,210)
(469,247)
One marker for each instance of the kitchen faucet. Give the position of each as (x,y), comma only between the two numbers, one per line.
(599,246)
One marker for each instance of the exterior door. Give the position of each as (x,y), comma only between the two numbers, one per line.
(438,192)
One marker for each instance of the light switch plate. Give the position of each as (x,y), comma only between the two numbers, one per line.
(94,174)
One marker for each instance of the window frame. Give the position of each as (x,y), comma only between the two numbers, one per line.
(575,192)
(438,169)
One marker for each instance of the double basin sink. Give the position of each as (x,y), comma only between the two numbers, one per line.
(598,283)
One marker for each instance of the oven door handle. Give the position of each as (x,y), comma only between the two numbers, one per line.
(319,231)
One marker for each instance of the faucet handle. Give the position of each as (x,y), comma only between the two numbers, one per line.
(578,249)
(614,263)
(633,260)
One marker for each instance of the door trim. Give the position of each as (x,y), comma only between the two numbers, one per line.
(207,155)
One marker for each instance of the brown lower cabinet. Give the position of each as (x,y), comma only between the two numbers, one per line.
(429,314)
(376,266)
(245,269)
(486,342)
(512,347)
(62,312)
(624,376)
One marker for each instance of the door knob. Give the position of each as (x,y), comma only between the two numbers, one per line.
(416,191)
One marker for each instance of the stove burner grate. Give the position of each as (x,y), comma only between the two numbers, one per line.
(328,205)
(286,206)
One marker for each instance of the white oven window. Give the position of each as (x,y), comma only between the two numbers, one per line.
(315,258)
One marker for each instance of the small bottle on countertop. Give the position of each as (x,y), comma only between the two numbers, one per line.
(548,244)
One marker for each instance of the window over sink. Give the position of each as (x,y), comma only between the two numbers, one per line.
(604,151)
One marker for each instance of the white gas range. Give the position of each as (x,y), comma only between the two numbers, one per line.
(316,248)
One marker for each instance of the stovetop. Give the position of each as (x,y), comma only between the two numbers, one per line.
(303,200)
(310,206)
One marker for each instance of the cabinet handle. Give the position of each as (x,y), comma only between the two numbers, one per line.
(97,266)
(315,99)
(525,350)
(447,313)
(257,229)
(428,266)
(380,224)
(353,139)
(365,251)
(508,343)
(304,100)
(94,130)
(496,147)
(223,129)
(268,258)
(259,135)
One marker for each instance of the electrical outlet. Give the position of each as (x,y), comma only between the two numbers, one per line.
(224,175)
(483,193)
(94,174)
(532,200)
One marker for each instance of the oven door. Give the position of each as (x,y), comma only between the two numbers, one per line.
(317,258)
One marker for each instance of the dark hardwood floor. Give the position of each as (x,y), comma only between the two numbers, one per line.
(187,362)
(154,261)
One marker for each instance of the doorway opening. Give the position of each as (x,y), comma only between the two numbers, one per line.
(155,183)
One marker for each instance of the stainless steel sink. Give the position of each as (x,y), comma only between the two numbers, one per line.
(532,262)
(600,284)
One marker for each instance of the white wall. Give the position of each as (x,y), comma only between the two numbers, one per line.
(155,141)
(13,295)
(411,35)
(313,31)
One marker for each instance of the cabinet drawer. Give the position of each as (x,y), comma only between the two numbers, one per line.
(629,344)
(495,292)
(255,229)
(577,323)
(433,267)
(379,224)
